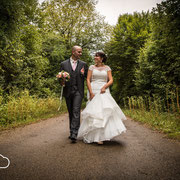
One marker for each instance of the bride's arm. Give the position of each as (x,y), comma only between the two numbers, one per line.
(109,83)
(89,84)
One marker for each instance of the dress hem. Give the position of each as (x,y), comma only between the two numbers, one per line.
(106,139)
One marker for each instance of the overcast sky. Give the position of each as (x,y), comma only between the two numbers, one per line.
(111,9)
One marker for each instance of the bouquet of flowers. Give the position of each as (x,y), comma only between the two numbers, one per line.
(63,76)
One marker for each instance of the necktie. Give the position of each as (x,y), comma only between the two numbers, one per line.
(74,65)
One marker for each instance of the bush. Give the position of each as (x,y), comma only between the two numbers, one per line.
(24,108)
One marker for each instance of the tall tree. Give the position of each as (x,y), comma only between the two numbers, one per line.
(21,62)
(76,22)
(159,60)
(129,35)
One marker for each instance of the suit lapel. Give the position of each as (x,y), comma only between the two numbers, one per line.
(69,66)
(78,66)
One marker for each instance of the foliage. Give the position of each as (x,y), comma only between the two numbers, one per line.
(21,61)
(159,60)
(35,39)
(164,122)
(144,52)
(128,37)
(76,22)
(156,112)
(25,108)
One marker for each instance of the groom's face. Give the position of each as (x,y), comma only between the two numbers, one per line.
(77,53)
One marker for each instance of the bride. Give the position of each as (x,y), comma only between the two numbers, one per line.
(102,117)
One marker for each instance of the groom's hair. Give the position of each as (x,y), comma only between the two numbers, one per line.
(102,55)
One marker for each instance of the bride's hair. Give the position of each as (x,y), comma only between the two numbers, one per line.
(102,55)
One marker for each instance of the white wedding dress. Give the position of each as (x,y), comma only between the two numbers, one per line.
(102,118)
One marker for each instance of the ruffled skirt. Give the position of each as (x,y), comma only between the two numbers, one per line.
(101,119)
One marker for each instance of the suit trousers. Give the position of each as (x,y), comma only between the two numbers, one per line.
(73,103)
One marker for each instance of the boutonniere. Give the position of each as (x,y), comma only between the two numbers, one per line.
(82,71)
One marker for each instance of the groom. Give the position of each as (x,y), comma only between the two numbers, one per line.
(74,89)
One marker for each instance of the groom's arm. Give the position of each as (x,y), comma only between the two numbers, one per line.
(61,67)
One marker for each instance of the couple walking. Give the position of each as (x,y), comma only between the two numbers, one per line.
(102,117)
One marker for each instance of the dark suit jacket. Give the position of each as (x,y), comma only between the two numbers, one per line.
(66,66)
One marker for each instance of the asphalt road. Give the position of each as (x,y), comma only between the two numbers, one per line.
(42,151)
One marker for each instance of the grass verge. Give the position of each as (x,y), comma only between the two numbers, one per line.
(26,109)
(168,123)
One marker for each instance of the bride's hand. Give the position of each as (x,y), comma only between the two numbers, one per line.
(103,90)
(91,96)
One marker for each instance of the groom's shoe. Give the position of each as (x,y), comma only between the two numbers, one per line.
(70,136)
(73,138)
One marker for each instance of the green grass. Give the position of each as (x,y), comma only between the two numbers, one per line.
(26,109)
(160,114)
(168,123)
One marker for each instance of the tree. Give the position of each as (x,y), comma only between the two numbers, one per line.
(76,22)
(129,35)
(159,60)
(35,39)
(21,62)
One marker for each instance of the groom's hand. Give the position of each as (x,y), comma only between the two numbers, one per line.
(62,83)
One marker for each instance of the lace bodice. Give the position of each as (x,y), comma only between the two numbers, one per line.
(99,74)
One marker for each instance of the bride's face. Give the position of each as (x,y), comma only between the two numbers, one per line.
(97,59)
